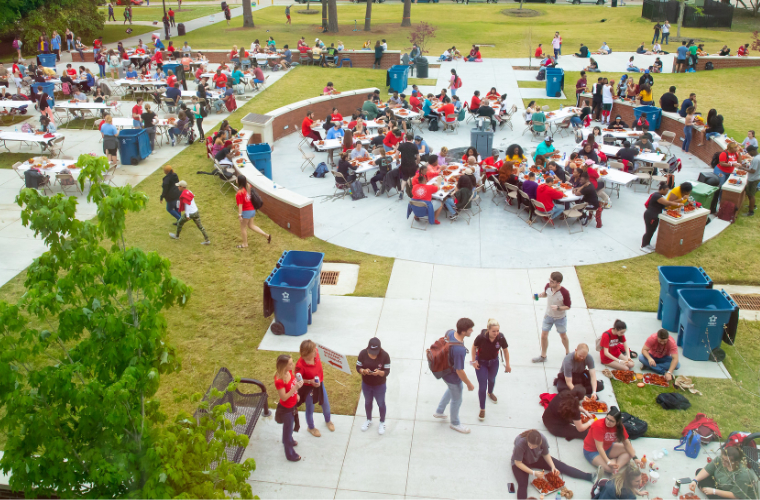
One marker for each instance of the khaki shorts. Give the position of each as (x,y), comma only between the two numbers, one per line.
(752,188)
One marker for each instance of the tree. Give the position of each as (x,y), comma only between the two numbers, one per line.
(407,20)
(421,35)
(332,13)
(83,351)
(754,5)
(81,17)
(324,16)
(368,16)
(528,40)
(247,15)
(681,9)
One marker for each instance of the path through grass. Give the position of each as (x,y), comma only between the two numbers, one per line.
(186,13)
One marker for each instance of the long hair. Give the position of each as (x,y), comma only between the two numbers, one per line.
(515,150)
(282,365)
(421,174)
(348,139)
(242,182)
(625,477)
(532,436)
(569,402)
(619,429)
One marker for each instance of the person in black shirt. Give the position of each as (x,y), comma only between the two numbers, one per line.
(591,197)
(377,141)
(147,121)
(410,156)
(628,153)
(488,112)
(597,98)
(374,365)
(563,411)
(657,201)
(583,51)
(345,167)
(669,101)
(618,124)
(588,153)
(558,171)
(384,164)
(485,359)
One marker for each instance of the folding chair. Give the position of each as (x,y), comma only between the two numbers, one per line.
(527,206)
(342,186)
(537,130)
(307,159)
(418,204)
(564,127)
(61,178)
(512,195)
(507,119)
(644,174)
(661,166)
(467,210)
(540,211)
(227,183)
(450,123)
(108,176)
(667,140)
(305,59)
(574,213)
(55,147)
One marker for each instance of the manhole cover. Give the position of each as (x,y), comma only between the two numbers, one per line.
(329,277)
(748,302)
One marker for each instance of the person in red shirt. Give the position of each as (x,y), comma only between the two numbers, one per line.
(424,192)
(158,58)
(615,352)
(447,109)
(392,138)
(475,102)
(546,194)
(287,409)
(727,161)
(246,212)
(171,79)
(335,116)
(539,52)
(306,130)
(171,16)
(743,50)
(220,79)
(314,391)
(607,445)
(414,102)
(137,111)
(660,354)
(139,50)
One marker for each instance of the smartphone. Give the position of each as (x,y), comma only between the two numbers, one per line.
(685,480)
(511,487)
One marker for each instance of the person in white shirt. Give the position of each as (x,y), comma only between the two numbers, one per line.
(750,140)
(605,49)
(189,211)
(384,45)
(656,48)
(186,50)
(446,56)
(607,92)
(358,151)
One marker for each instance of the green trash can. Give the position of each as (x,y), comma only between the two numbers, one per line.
(703,193)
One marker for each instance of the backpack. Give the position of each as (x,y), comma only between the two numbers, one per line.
(203,111)
(433,126)
(673,401)
(321,170)
(690,444)
(646,203)
(15,44)
(727,211)
(256,199)
(457,83)
(634,426)
(357,190)
(541,74)
(439,356)
(709,66)
(596,489)
(715,159)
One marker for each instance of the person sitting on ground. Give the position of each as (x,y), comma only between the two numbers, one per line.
(345,168)
(615,352)
(743,50)
(624,484)
(725,51)
(593,66)
(657,66)
(446,56)
(660,354)
(632,67)
(605,49)
(641,49)
(657,48)
(728,476)
(474,54)
(578,369)
(583,52)
(607,444)
(562,417)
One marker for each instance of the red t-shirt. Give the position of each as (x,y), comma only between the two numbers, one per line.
(170,81)
(593,175)
(424,192)
(415,103)
(613,343)
(171,13)
(600,432)
(137,110)
(308,372)
(475,103)
(547,194)
(538,52)
(97,44)
(391,139)
(448,109)
(337,117)
(657,350)
(243,198)
(726,157)
(139,50)
(306,126)
(741,51)
(71,72)
(279,384)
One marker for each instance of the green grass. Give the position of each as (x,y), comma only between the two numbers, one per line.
(157,13)
(460,25)
(112,33)
(531,85)
(7,160)
(87,124)
(422,81)
(14,120)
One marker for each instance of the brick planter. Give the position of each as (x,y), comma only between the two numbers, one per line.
(725,62)
(676,238)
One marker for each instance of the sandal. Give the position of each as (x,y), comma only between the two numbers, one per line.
(269,239)
(241,247)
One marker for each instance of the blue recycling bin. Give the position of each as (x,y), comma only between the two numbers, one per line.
(672,279)
(653,113)
(704,313)
(261,157)
(134,146)
(47,87)
(290,288)
(306,260)
(399,77)
(47,60)
(555,81)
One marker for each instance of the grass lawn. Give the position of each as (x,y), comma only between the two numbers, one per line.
(15,119)
(623,29)
(157,13)
(531,85)
(422,81)
(112,33)
(87,124)
(7,160)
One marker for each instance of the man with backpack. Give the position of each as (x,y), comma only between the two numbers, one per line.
(446,357)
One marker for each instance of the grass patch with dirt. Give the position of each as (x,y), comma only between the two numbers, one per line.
(523,84)
(7,160)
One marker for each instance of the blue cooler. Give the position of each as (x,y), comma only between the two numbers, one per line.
(672,279)
(290,289)
(704,314)
(306,260)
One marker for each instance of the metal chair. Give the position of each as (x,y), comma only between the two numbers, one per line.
(56,147)
(342,59)
(63,181)
(540,210)
(305,59)
(661,166)
(574,213)
(419,204)
(667,140)
(342,186)
(307,159)
(512,195)
(564,127)
(450,123)
(527,206)
(507,119)
(644,174)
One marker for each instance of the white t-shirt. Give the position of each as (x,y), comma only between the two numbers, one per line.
(556,43)
(191,208)
(607,94)
(666,28)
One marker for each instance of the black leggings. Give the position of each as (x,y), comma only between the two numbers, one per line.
(567,431)
(199,123)
(583,379)
(522,477)
(651,223)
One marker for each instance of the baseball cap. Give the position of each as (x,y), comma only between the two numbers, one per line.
(182,184)
(374,346)
(548,138)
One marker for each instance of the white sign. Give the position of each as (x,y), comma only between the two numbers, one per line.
(334,359)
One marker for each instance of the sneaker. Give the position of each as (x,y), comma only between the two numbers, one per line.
(207,242)
(750,213)
(460,428)
(173,236)
(366,425)
(442,416)
(401,195)
(493,398)
(330,426)
(381,428)
(482,415)
(377,193)
(647,249)
(453,217)
(172,142)
(539,359)
(608,205)
(315,433)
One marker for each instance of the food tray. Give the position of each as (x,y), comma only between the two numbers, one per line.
(734,181)
(741,173)
(689,209)
(550,484)
(565,185)
(236,141)
(655,379)
(626,376)
(597,407)
(241,160)
(674,214)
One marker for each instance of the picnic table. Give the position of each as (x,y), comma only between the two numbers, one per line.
(69,107)
(55,166)
(645,157)
(623,135)
(24,137)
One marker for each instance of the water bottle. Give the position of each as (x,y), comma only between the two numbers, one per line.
(274,186)
(561,107)
(15,129)
(563,156)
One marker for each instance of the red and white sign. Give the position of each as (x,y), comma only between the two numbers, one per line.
(334,359)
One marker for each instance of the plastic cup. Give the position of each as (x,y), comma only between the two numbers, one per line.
(653,476)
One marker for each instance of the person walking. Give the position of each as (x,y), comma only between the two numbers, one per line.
(455,82)
(485,359)
(556,45)
(169,191)
(313,391)
(55,45)
(287,14)
(148,118)
(171,17)
(557,304)
(200,110)
(126,16)
(374,365)
(110,13)
(246,212)
(457,355)
(227,15)
(287,408)
(189,211)
(100,60)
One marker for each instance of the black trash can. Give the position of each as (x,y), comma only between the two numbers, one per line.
(422,67)
(614,3)
(181,29)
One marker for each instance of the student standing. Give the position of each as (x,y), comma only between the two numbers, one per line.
(485,359)
(453,394)
(189,211)
(557,304)
(654,206)
(246,212)
(310,367)
(374,365)
(287,411)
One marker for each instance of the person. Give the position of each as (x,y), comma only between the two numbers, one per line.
(618,124)
(583,187)
(409,158)
(454,380)
(580,87)
(530,186)
(459,201)
(455,82)
(546,148)
(111,15)
(287,408)
(336,131)
(562,416)
(665,32)
(681,54)
(728,476)
(625,483)
(556,45)
(750,140)
(688,129)
(378,55)
(474,54)
(539,54)
(358,152)
(607,445)
(583,52)
(688,103)
(313,390)
(752,179)
(374,365)
(605,49)
(169,192)
(714,126)
(55,45)
(530,457)
(384,165)
(423,150)
(660,354)
(588,152)
(607,100)
(370,109)
(669,101)
(345,168)
(485,360)
(645,95)
(486,111)
(680,193)
(727,161)
(657,66)
(632,66)
(743,50)
(644,144)
(692,57)
(393,138)
(110,141)
(724,51)
(578,369)
(557,304)
(180,127)
(615,351)
(246,213)
(189,211)
(654,206)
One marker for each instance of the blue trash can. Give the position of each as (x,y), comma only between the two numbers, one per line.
(290,289)
(399,77)
(261,157)
(47,87)
(134,146)
(653,113)
(672,279)
(704,313)
(555,81)
(47,60)
(306,260)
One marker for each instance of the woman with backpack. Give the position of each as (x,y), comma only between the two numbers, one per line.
(455,82)
(17,44)
(625,483)
(247,211)
(607,445)
(485,360)
(727,477)
(613,348)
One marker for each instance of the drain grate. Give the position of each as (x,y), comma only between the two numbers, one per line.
(747,301)
(329,277)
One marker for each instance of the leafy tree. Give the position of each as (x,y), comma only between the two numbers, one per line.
(407,20)
(421,35)
(82,354)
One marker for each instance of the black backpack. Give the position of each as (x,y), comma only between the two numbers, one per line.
(715,159)
(256,200)
(709,66)
(634,425)
(433,126)
(673,401)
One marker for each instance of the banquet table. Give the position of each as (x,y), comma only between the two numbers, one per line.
(58,166)
(90,106)
(623,135)
(646,157)
(561,114)
(26,137)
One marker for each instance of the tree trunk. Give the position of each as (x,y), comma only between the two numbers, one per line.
(308,4)
(521,2)
(247,15)
(681,9)
(324,15)
(368,16)
(407,20)
(332,12)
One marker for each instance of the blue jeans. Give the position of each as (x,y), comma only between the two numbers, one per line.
(171,207)
(450,205)
(453,91)
(687,138)
(376,392)
(453,394)
(710,135)
(95,51)
(656,37)
(288,422)
(486,378)
(556,53)
(69,44)
(174,132)
(557,210)
(721,175)
(665,37)
(310,407)
(576,121)
(663,364)
(102,70)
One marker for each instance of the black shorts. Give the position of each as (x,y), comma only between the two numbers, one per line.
(111,152)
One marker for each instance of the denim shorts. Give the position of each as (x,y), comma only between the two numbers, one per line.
(560,323)
(249,214)
(591,455)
